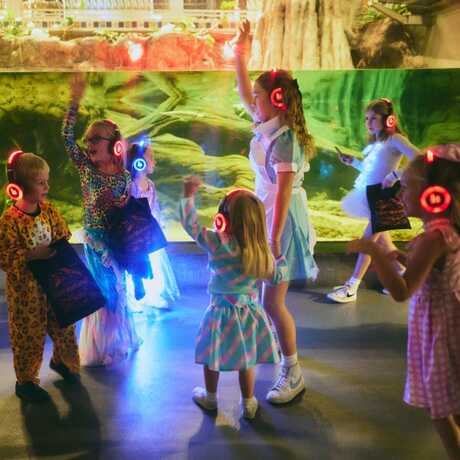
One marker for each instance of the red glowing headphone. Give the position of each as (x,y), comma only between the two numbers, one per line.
(13,190)
(390,121)
(222,218)
(115,146)
(435,198)
(277,99)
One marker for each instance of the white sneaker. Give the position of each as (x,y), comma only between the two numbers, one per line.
(385,291)
(289,384)
(342,294)
(200,397)
(249,408)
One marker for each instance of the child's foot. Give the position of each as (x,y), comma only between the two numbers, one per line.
(31,392)
(249,408)
(65,372)
(201,398)
(342,294)
(290,383)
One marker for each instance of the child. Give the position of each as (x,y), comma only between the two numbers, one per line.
(162,289)
(431,191)
(280,153)
(234,333)
(381,159)
(109,334)
(26,230)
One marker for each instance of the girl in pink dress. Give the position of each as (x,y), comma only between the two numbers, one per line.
(430,190)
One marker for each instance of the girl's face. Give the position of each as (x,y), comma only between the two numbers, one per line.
(411,189)
(97,140)
(150,160)
(38,187)
(374,123)
(263,108)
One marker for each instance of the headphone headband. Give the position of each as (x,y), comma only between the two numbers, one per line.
(13,190)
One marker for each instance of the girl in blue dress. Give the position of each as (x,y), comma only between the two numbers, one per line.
(280,153)
(234,333)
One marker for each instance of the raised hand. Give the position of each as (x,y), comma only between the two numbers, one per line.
(242,40)
(77,87)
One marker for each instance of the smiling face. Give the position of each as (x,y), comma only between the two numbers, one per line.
(97,141)
(37,187)
(374,123)
(263,108)
(412,184)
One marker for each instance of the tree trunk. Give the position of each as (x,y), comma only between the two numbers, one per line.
(302,34)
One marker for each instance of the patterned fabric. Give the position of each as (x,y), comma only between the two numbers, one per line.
(234,333)
(163,288)
(274,149)
(29,315)
(380,158)
(109,334)
(433,350)
(100,191)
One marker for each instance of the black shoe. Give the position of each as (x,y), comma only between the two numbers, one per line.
(65,372)
(31,392)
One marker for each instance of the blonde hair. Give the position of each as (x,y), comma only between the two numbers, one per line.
(445,173)
(247,223)
(26,168)
(292,98)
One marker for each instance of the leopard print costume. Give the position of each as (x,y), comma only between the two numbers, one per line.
(30,317)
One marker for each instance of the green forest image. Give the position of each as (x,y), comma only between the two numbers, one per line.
(198,126)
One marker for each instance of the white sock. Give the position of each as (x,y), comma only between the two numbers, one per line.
(211,396)
(353,283)
(289,361)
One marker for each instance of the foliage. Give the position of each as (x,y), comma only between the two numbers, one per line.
(11,27)
(228,5)
(369,14)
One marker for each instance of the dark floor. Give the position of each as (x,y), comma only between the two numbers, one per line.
(353,361)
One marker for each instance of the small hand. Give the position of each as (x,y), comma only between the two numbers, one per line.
(243,41)
(344,158)
(389,180)
(191,185)
(77,87)
(40,252)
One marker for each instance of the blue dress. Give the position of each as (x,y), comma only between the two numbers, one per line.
(274,149)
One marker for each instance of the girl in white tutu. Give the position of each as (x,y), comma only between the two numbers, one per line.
(162,290)
(382,157)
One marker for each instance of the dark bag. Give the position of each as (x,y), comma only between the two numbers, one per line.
(68,284)
(133,234)
(387,210)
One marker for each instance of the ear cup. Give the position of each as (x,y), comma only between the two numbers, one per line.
(277,99)
(435,199)
(13,190)
(220,222)
(390,122)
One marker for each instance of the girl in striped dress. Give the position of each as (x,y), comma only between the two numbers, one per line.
(234,334)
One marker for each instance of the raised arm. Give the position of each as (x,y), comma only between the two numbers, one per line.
(77,90)
(242,75)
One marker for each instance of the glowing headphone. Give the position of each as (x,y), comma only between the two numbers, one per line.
(222,218)
(13,190)
(390,120)
(277,96)
(115,146)
(138,163)
(435,198)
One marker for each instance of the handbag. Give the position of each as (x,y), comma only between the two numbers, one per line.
(386,208)
(69,286)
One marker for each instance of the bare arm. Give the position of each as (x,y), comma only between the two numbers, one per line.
(242,74)
(426,250)
(284,181)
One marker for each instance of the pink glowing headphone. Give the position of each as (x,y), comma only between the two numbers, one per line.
(115,146)
(390,120)
(435,198)
(13,190)
(222,218)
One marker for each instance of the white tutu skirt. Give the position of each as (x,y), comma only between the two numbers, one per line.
(355,204)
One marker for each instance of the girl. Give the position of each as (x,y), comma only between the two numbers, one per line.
(280,153)
(26,231)
(381,159)
(108,335)
(430,191)
(162,289)
(234,333)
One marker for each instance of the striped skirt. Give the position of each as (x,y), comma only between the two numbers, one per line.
(235,334)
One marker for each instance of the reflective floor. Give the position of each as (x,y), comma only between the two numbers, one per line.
(353,359)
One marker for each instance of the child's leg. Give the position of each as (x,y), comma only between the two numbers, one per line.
(211,379)
(247,379)
(65,348)
(448,430)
